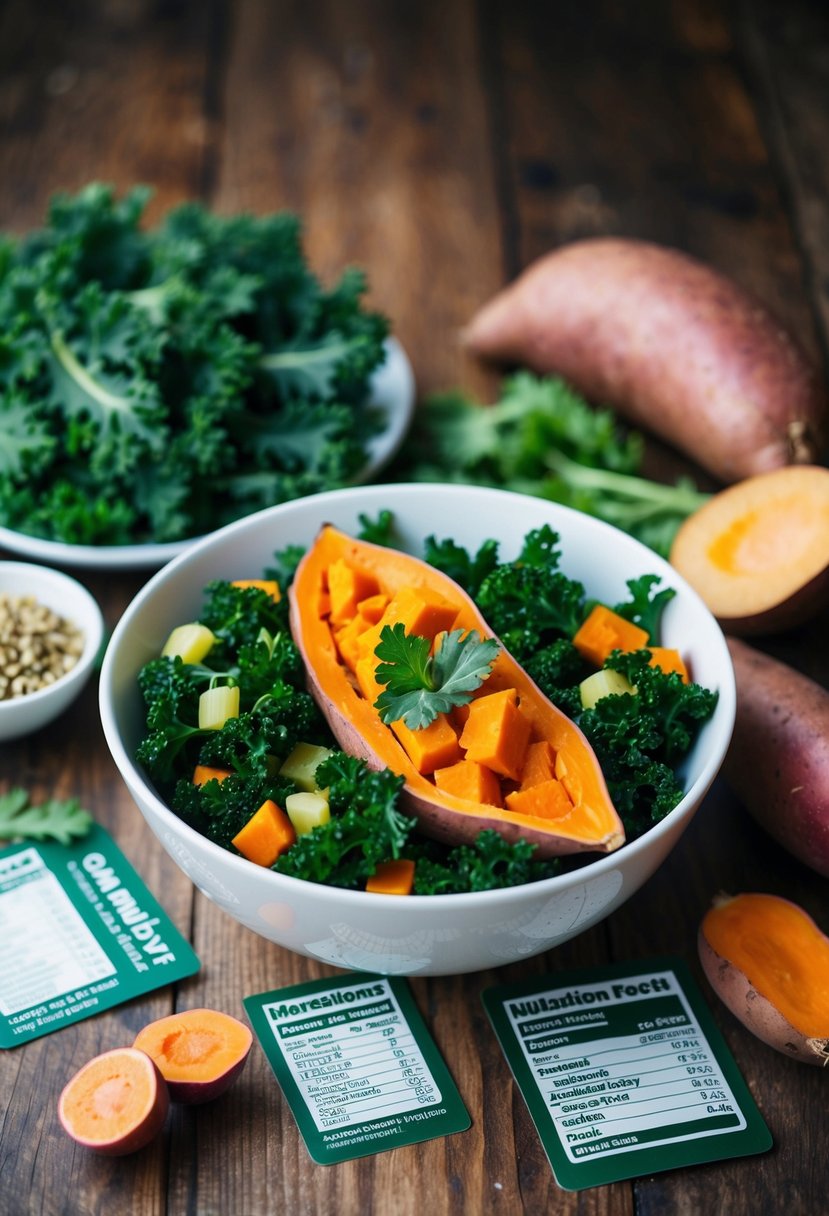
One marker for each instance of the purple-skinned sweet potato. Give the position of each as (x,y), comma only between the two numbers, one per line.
(778,760)
(673,345)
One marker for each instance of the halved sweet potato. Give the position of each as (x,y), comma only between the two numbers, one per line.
(199,1052)
(427,602)
(758,552)
(768,962)
(116,1104)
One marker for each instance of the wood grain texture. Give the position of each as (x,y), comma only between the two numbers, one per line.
(442,146)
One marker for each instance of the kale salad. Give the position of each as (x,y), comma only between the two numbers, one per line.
(215,773)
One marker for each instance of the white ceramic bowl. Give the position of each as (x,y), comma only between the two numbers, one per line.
(427,935)
(22,715)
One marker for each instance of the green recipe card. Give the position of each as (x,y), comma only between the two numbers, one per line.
(357,1065)
(79,933)
(624,1072)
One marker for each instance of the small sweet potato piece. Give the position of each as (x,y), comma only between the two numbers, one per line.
(604,631)
(199,1052)
(116,1104)
(392,878)
(758,552)
(433,746)
(768,962)
(497,733)
(673,345)
(778,760)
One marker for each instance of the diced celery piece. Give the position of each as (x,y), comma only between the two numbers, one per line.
(301,764)
(603,683)
(190,642)
(216,705)
(307,811)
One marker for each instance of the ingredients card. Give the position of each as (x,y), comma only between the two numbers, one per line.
(357,1065)
(79,933)
(624,1072)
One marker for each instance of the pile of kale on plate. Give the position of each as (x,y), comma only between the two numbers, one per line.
(159,381)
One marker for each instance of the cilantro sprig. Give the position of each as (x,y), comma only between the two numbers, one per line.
(421,685)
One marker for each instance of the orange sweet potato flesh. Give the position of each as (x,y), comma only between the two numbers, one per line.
(593,825)
(769,963)
(758,552)
(199,1052)
(116,1104)
(673,345)
(778,760)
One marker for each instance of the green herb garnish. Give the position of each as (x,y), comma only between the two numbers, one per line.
(419,685)
(62,821)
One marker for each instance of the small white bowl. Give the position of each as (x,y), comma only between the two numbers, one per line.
(417,934)
(65,596)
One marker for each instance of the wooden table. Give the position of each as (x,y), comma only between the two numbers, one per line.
(442,145)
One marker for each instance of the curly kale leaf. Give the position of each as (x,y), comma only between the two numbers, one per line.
(366,826)
(455,561)
(646,605)
(237,616)
(171,695)
(489,863)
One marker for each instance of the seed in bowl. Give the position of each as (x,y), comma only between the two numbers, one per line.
(37,646)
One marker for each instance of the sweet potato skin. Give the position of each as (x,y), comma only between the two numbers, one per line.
(755,1011)
(778,760)
(673,345)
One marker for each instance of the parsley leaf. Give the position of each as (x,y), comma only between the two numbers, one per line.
(419,686)
(63,821)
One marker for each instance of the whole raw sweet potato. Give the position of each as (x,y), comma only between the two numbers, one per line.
(778,760)
(673,345)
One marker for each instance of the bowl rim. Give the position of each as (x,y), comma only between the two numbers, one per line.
(90,621)
(725,710)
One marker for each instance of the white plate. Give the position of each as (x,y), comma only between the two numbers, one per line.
(392,392)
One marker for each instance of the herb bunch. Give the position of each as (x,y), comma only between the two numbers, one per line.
(157,382)
(541,438)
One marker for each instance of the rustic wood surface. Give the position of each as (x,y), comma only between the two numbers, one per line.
(442,145)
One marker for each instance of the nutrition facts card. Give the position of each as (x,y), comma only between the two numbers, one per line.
(357,1064)
(624,1072)
(79,933)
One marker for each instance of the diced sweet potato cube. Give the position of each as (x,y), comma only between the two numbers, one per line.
(347,638)
(668,660)
(364,670)
(392,877)
(262,584)
(547,800)
(347,585)
(539,764)
(604,631)
(497,733)
(372,609)
(470,780)
(435,746)
(265,835)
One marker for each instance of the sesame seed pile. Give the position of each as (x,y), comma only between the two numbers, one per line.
(37,646)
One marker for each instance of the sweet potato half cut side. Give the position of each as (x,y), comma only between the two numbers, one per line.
(768,962)
(758,552)
(496,732)
(199,1052)
(116,1104)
